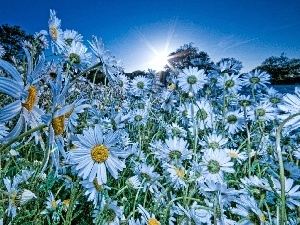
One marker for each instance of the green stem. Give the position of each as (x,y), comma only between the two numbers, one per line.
(85,71)
(248,141)
(22,136)
(281,167)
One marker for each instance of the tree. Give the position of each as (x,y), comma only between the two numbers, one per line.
(282,69)
(188,55)
(11,39)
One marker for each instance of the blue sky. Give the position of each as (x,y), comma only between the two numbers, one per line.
(249,31)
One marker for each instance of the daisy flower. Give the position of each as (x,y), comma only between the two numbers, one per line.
(72,36)
(255,181)
(244,101)
(175,151)
(25,94)
(51,207)
(140,85)
(95,191)
(111,214)
(41,39)
(194,214)
(248,209)
(176,176)
(138,117)
(174,130)
(236,154)
(215,141)
(291,105)
(168,101)
(77,55)
(234,121)
(133,182)
(215,163)
(273,96)
(231,83)
(256,79)
(147,218)
(262,112)
(56,34)
(110,66)
(123,84)
(191,80)
(202,112)
(292,192)
(96,153)
(229,66)
(147,177)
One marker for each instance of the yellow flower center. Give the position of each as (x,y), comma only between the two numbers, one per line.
(58,125)
(53,204)
(30,99)
(54,32)
(172,86)
(97,185)
(263,218)
(179,172)
(233,155)
(66,202)
(99,153)
(152,221)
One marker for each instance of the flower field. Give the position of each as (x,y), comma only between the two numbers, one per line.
(202,147)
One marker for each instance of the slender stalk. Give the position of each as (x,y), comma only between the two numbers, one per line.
(281,167)
(85,71)
(248,141)
(22,136)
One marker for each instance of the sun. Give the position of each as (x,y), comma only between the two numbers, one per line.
(160,60)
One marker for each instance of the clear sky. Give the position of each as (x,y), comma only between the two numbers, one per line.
(249,31)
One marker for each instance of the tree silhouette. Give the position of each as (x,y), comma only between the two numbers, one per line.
(11,39)
(282,69)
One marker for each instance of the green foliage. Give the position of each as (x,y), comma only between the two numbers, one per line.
(12,38)
(282,69)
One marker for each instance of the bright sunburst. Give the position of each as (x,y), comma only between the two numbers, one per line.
(160,60)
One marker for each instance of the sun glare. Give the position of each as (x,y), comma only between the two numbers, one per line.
(160,60)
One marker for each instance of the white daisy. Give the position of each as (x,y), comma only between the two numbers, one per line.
(176,176)
(263,111)
(52,207)
(202,113)
(95,192)
(175,151)
(236,154)
(72,35)
(248,209)
(215,163)
(191,79)
(148,177)
(140,85)
(215,141)
(256,79)
(147,218)
(174,130)
(292,192)
(77,55)
(231,83)
(234,121)
(56,34)
(95,153)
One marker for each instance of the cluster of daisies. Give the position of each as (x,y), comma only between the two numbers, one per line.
(204,147)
